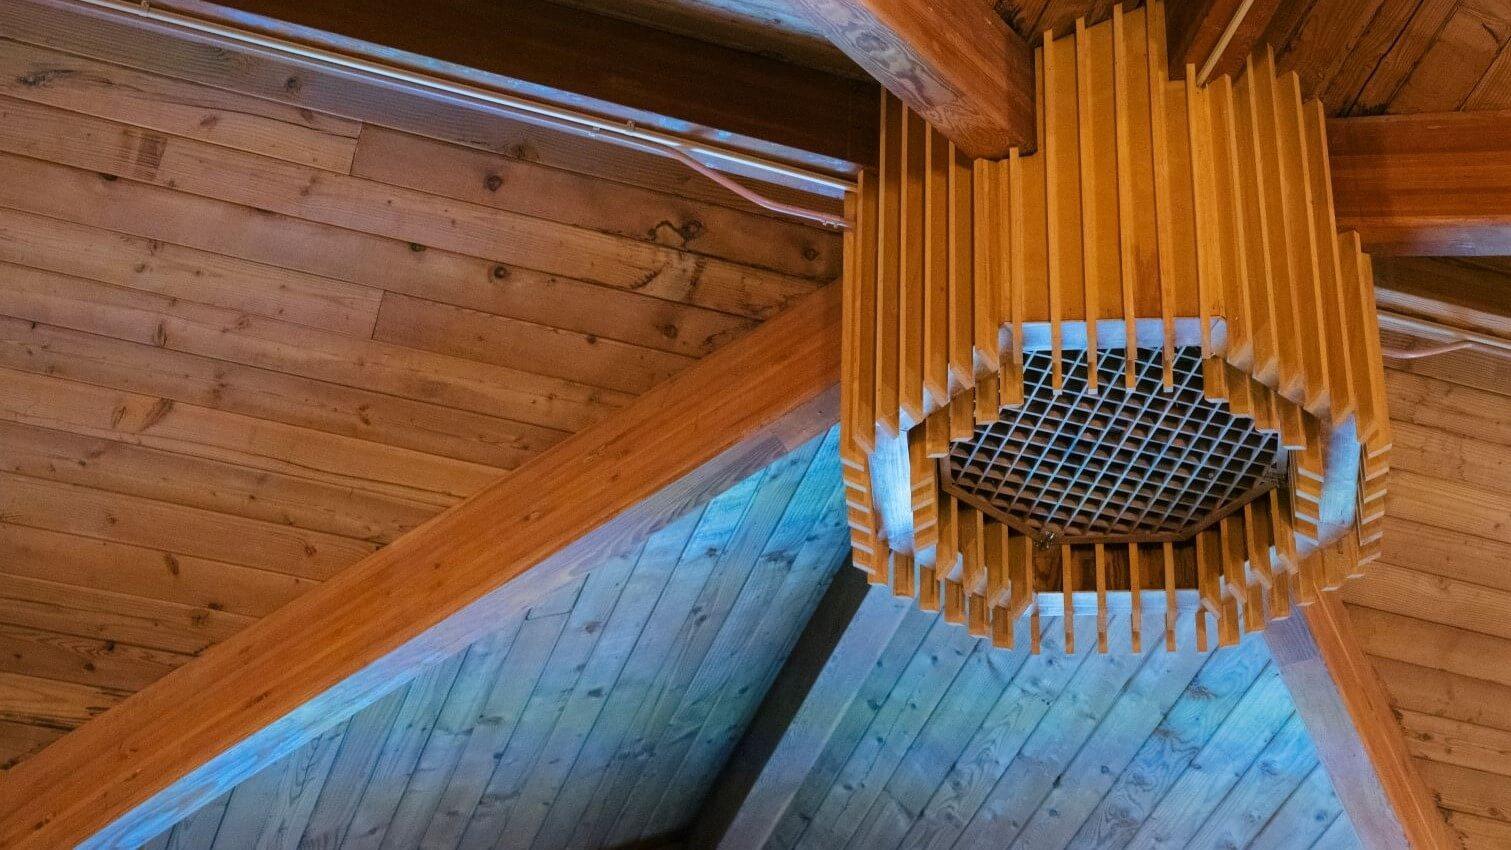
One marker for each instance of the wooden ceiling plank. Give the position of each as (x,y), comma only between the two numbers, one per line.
(1303,818)
(1346,710)
(1012,716)
(1424,185)
(336,96)
(587,61)
(1215,36)
(1399,56)
(277,684)
(710,648)
(955,62)
(832,660)
(802,565)
(600,775)
(405,216)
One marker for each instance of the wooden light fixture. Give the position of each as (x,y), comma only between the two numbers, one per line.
(1134,368)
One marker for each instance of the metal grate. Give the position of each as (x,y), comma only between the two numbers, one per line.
(1140,463)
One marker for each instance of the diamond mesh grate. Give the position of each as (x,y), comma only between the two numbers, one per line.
(1135,463)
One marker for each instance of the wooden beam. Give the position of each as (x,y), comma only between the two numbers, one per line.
(831,661)
(122,778)
(592,62)
(1358,740)
(955,62)
(1216,36)
(1468,294)
(1425,185)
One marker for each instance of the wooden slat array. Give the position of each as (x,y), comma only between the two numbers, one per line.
(1188,229)
(245,342)
(597,718)
(953,743)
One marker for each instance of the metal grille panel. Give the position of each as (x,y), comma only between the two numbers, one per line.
(1142,463)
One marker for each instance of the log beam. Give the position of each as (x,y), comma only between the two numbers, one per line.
(1425,185)
(122,778)
(1359,742)
(955,62)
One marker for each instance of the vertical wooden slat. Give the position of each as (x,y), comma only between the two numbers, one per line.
(1050,153)
(1086,164)
(936,258)
(1154,28)
(910,302)
(1301,238)
(1341,353)
(962,322)
(1127,265)
(1252,200)
(1011,390)
(867,226)
(984,286)
(887,259)
(1260,78)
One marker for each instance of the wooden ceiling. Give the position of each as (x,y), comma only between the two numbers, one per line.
(1433,613)
(599,716)
(1363,57)
(951,743)
(243,344)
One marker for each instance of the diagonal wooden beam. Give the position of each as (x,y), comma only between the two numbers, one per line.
(122,778)
(1425,185)
(1215,36)
(955,62)
(838,650)
(1359,742)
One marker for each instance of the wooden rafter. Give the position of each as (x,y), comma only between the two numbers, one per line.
(1358,739)
(955,62)
(1425,185)
(118,781)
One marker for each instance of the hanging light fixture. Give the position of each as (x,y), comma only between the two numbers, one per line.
(1136,369)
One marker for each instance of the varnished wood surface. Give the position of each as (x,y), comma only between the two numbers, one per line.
(1358,739)
(955,62)
(1431,184)
(597,716)
(1431,615)
(244,343)
(951,743)
(607,65)
(332,651)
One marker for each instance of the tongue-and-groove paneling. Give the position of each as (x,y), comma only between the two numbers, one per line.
(244,343)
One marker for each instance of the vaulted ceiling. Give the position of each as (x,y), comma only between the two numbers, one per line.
(259,319)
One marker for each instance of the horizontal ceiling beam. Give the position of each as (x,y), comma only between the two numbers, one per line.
(1339,697)
(1425,185)
(600,64)
(122,778)
(955,62)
